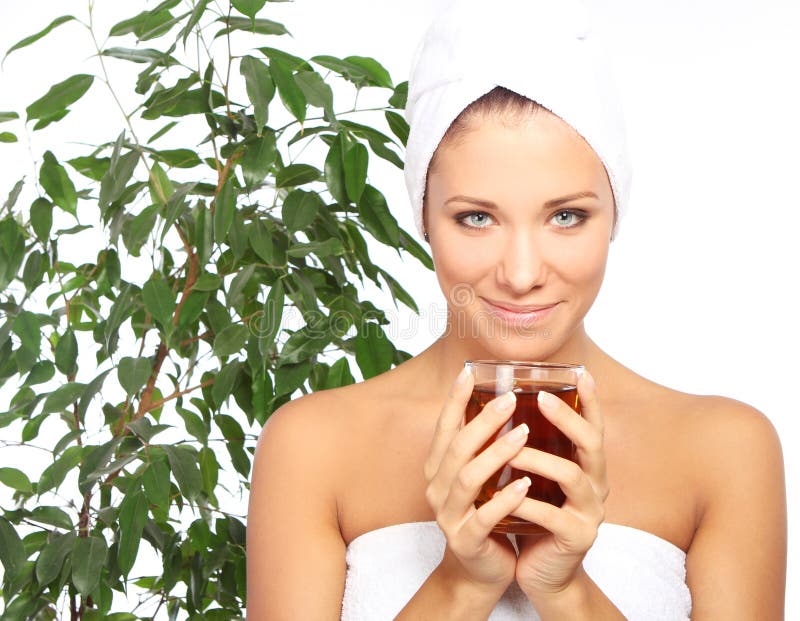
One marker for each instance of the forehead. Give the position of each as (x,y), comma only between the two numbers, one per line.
(535,153)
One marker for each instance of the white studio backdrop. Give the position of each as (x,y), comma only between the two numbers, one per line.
(700,292)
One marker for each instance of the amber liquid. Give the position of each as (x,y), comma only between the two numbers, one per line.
(543,435)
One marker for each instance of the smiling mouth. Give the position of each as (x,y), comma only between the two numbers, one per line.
(525,318)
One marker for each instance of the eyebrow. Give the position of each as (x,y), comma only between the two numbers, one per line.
(554,202)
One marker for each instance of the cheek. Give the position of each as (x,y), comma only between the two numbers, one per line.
(458,262)
(582,263)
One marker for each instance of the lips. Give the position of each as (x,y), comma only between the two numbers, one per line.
(516,314)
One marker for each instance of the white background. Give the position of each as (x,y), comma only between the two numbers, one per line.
(701,287)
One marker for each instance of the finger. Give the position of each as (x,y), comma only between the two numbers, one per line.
(574,533)
(587,437)
(466,443)
(572,480)
(474,474)
(449,422)
(475,435)
(590,402)
(480,522)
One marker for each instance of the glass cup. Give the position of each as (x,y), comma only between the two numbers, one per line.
(525,379)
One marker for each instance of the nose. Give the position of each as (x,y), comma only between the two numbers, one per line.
(521,266)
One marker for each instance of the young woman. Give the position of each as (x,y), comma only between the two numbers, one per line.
(362,497)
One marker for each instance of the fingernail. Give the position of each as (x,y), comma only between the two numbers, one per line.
(589,381)
(549,400)
(517,435)
(462,376)
(506,401)
(523,484)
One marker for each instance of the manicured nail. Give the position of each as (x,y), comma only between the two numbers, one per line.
(522,484)
(518,434)
(506,401)
(589,381)
(462,376)
(549,400)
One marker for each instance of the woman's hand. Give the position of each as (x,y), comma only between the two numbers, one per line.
(473,553)
(547,564)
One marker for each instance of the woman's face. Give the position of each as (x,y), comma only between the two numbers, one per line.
(519,215)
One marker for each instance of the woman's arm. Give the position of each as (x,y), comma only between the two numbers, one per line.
(295,553)
(736,564)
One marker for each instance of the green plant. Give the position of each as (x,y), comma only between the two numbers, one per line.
(205,246)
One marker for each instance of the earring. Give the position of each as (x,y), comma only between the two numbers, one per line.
(427,238)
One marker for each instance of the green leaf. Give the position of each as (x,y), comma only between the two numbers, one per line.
(55,473)
(224,207)
(115,181)
(66,353)
(7,137)
(359,70)
(326,247)
(339,374)
(57,184)
(41,372)
(239,282)
(398,125)
(209,470)
(260,88)
(295,63)
(223,383)
(88,558)
(194,424)
(155,481)
(410,245)
(334,171)
(161,187)
(140,55)
(304,344)
(399,98)
(185,469)
(16,479)
(55,102)
(52,516)
(300,209)
(194,19)
(51,558)
(398,293)
(270,321)
(35,37)
(178,158)
(231,340)
(249,7)
(258,159)
(162,131)
(355,171)
(289,377)
(146,25)
(26,327)
(133,512)
(297,174)
(13,195)
(8,116)
(290,93)
(159,300)
(42,218)
(317,92)
(132,373)
(92,167)
(258,26)
(12,551)
(374,351)
(374,213)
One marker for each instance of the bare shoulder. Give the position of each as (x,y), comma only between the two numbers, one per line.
(734,425)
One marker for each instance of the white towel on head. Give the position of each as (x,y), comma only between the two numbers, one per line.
(542,49)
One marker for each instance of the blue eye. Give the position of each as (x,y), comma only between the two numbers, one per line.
(570,212)
(473,219)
